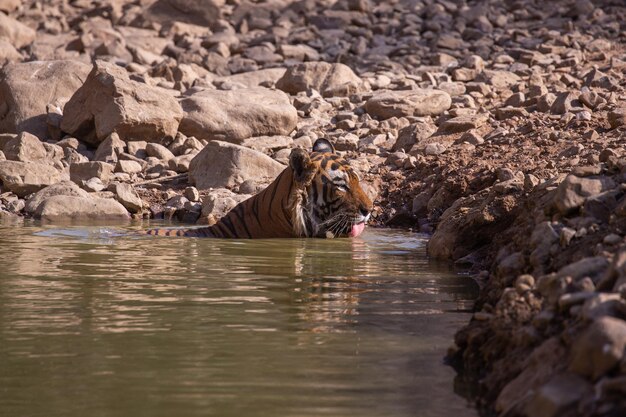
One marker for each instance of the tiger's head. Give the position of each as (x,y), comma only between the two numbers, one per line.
(330,200)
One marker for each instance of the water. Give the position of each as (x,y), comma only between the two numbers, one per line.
(97,322)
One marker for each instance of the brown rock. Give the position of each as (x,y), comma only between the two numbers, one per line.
(18,34)
(60,208)
(27,88)
(83,171)
(109,149)
(329,79)
(413,134)
(499,79)
(181,163)
(23,178)
(110,102)
(268,144)
(264,77)
(159,151)
(617,118)
(599,348)
(219,202)
(64,188)
(562,104)
(236,115)
(8,6)
(25,148)
(128,197)
(222,164)
(197,12)
(128,167)
(470,222)
(403,103)
(573,191)
(8,53)
(558,395)
(462,124)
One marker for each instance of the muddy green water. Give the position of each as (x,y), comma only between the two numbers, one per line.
(97,322)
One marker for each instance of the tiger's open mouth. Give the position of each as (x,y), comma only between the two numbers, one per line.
(356,229)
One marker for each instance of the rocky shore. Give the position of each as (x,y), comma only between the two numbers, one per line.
(499,127)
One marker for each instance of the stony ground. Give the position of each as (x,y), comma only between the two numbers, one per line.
(500,127)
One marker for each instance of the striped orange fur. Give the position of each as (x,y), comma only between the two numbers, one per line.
(317,195)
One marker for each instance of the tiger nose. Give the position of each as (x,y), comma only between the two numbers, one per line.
(364,211)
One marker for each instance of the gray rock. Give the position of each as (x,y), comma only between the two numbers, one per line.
(236,115)
(599,349)
(223,164)
(403,103)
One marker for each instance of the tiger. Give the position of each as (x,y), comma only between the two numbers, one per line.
(317,195)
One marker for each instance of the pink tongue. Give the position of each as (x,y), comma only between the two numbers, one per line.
(357,229)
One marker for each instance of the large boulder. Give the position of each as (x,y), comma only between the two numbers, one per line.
(329,79)
(110,101)
(27,88)
(66,208)
(18,34)
(225,165)
(237,114)
(420,102)
(23,178)
(64,188)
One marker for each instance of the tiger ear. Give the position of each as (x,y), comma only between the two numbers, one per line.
(301,164)
(323,145)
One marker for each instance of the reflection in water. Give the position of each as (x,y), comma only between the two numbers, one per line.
(100,322)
